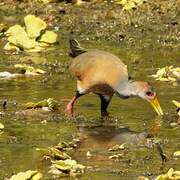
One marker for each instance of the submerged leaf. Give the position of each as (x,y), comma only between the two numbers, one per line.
(28,175)
(68,166)
(34,26)
(29,70)
(50,103)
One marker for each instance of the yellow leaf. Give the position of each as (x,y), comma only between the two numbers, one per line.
(21,40)
(1,126)
(48,37)
(37,176)
(10,46)
(43,44)
(18,36)
(15,30)
(40,71)
(47,1)
(177,153)
(122,2)
(170,173)
(176,103)
(162,79)
(172,79)
(28,175)
(129,5)
(37,48)
(29,69)
(34,26)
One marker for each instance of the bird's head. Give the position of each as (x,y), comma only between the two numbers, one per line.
(146,91)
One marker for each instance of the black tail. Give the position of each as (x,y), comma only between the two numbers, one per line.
(75,48)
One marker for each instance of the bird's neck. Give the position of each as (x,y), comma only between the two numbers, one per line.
(128,89)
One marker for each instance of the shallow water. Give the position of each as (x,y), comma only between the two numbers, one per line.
(25,131)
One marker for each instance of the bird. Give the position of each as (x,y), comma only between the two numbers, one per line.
(104,74)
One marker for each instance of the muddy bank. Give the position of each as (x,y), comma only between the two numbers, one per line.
(151,24)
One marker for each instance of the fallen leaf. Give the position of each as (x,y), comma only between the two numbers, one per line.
(118,147)
(177,153)
(170,175)
(28,175)
(10,46)
(1,126)
(34,26)
(48,37)
(176,103)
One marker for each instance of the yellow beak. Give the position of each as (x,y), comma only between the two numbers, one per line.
(155,103)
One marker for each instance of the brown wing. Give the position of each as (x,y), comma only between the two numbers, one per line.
(99,67)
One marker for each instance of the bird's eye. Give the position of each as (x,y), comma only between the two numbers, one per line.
(149,93)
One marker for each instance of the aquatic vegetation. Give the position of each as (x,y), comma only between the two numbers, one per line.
(168,73)
(50,103)
(32,38)
(170,175)
(28,175)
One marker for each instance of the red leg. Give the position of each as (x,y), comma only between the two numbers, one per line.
(70,105)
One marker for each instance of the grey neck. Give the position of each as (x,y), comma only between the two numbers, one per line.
(127,89)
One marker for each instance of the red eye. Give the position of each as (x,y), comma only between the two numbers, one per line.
(149,93)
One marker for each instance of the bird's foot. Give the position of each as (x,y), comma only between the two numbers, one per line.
(69,109)
(104,114)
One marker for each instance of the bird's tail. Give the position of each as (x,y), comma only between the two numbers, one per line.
(75,48)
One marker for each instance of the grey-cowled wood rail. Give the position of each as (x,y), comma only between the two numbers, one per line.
(105,74)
